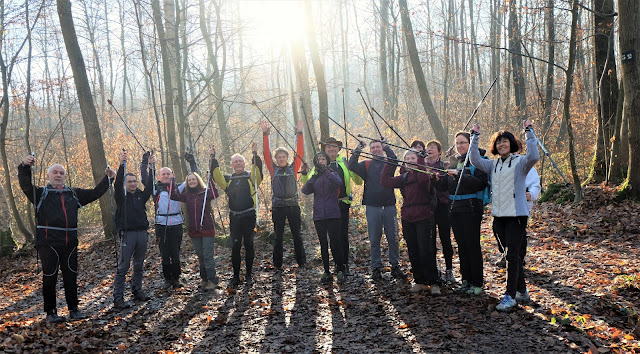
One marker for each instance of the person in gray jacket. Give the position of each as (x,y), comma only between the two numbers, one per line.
(508,175)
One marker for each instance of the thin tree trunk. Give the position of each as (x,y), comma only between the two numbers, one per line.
(551,38)
(179,85)
(515,46)
(382,54)
(619,161)
(318,70)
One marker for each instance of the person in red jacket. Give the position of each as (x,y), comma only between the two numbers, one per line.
(417,221)
(201,228)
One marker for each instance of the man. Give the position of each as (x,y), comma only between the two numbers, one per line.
(380,205)
(57,231)
(332,148)
(284,200)
(168,221)
(132,225)
(241,189)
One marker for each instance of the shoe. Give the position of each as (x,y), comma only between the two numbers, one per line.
(416,288)
(507,303)
(52,317)
(475,290)
(397,273)
(141,296)
(448,277)
(523,297)
(326,278)
(120,304)
(211,286)
(376,275)
(502,262)
(347,272)
(234,282)
(76,314)
(435,290)
(177,284)
(203,284)
(462,289)
(248,280)
(341,277)
(277,270)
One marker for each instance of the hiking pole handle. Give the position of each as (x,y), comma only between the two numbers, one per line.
(204,201)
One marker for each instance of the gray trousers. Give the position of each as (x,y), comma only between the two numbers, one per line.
(204,250)
(133,244)
(377,218)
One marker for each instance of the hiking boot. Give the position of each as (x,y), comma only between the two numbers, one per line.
(248,280)
(462,289)
(141,296)
(120,304)
(435,290)
(76,314)
(397,273)
(211,286)
(52,317)
(448,277)
(523,297)
(234,282)
(475,290)
(502,262)
(507,303)
(177,284)
(347,272)
(341,277)
(326,278)
(416,288)
(376,275)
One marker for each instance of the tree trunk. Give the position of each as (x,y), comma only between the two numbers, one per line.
(619,160)
(382,54)
(427,104)
(180,92)
(551,38)
(515,46)
(318,70)
(87,108)
(7,243)
(629,12)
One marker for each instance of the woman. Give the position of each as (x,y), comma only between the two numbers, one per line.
(201,228)
(509,204)
(325,185)
(466,194)
(417,221)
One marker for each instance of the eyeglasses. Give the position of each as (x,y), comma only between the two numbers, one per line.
(462,143)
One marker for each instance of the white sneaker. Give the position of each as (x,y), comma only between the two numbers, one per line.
(416,288)
(523,297)
(507,303)
(435,290)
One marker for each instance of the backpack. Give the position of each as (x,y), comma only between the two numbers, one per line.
(486,193)
(45,192)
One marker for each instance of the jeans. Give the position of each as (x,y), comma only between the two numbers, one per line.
(377,218)
(513,229)
(204,250)
(344,232)
(441,220)
(66,259)
(466,229)
(422,253)
(169,242)
(331,227)
(279,216)
(242,229)
(133,244)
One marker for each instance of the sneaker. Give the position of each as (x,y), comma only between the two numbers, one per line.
(76,314)
(52,317)
(376,275)
(523,297)
(234,282)
(211,286)
(507,303)
(141,296)
(435,290)
(340,277)
(120,304)
(475,290)
(462,289)
(326,278)
(448,277)
(397,273)
(502,262)
(416,288)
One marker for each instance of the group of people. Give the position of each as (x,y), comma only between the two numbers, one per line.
(435,197)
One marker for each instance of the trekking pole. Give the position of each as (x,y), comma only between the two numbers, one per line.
(204,201)
(384,142)
(344,120)
(35,210)
(126,125)
(341,127)
(450,150)
(115,239)
(455,195)
(390,127)
(304,114)
(205,125)
(370,114)
(277,131)
(550,159)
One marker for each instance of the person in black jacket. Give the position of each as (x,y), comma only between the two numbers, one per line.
(132,224)
(57,231)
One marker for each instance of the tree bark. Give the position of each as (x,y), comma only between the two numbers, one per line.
(551,38)
(318,70)
(7,243)
(515,46)
(87,108)
(427,104)
(382,53)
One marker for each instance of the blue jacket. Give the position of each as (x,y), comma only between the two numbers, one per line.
(325,188)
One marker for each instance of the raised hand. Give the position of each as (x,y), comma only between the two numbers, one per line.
(527,124)
(254,147)
(475,129)
(29,160)
(110,173)
(299,127)
(266,128)
(123,156)
(212,151)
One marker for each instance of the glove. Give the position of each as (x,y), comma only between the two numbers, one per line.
(423,154)
(189,157)
(145,158)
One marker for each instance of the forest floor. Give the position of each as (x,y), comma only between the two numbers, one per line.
(582,268)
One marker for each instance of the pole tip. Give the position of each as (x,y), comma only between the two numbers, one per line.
(110,102)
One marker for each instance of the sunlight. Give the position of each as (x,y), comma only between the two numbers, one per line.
(272,23)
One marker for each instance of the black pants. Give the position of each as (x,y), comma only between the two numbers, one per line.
(242,229)
(280,215)
(466,229)
(441,220)
(344,232)
(514,231)
(331,227)
(422,252)
(502,240)
(169,242)
(66,259)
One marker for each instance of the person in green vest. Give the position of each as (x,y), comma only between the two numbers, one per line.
(332,147)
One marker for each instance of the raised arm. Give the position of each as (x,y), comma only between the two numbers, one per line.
(266,147)
(355,166)
(24,178)
(297,158)
(387,179)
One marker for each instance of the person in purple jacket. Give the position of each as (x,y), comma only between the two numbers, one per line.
(325,186)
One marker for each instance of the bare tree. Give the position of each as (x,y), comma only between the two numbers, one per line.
(318,70)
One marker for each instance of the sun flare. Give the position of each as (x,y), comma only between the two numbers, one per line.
(272,23)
